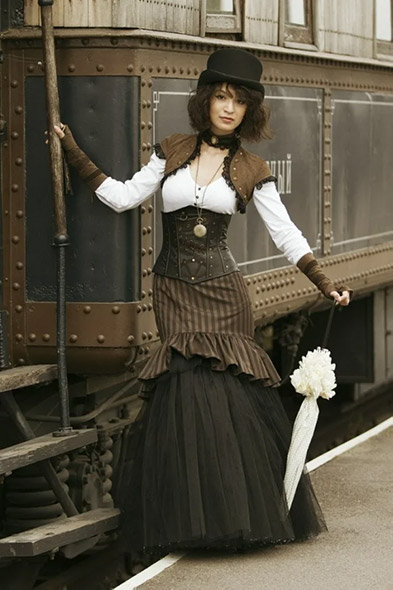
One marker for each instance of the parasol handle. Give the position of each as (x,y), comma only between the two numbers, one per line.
(329,324)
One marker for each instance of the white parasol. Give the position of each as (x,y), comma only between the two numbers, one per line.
(314,378)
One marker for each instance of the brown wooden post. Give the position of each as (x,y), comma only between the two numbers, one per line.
(53,112)
(61,237)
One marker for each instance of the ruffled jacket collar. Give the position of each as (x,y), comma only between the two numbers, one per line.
(243,171)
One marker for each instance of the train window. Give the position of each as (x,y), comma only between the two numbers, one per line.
(297,23)
(220,7)
(384,20)
(296,12)
(220,16)
(384,28)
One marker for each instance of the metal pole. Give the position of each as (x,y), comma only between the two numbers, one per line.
(61,237)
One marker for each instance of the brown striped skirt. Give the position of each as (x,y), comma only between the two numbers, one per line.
(212,319)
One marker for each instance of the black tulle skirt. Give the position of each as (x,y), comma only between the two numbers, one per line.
(205,462)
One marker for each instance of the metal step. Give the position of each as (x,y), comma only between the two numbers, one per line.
(51,536)
(43,447)
(24,376)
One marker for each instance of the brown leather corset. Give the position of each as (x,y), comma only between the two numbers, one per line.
(189,258)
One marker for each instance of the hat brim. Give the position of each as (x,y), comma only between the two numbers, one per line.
(212,76)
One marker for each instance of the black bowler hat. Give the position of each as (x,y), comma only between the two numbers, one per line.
(236,66)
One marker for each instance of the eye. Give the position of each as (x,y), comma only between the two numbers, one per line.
(239,101)
(220,96)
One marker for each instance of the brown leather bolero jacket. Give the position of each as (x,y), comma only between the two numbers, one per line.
(243,171)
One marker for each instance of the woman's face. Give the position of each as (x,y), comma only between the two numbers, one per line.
(226,110)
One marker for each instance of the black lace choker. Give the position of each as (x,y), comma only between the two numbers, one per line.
(223,142)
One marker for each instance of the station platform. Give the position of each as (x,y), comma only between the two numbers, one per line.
(355,490)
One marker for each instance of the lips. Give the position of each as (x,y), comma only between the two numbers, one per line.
(226,119)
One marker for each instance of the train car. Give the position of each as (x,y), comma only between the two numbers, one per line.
(125,72)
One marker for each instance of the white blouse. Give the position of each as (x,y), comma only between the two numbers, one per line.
(179,190)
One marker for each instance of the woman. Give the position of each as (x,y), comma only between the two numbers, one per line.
(206,456)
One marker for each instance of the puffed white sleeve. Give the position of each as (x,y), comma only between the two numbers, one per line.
(285,234)
(121,196)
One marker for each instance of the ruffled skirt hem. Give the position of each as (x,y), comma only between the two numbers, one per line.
(236,352)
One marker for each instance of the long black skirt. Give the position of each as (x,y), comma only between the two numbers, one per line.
(205,458)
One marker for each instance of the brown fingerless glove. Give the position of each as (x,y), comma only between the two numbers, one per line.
(77,158)
(310,267)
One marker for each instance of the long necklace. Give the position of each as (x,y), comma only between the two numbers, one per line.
(200,230)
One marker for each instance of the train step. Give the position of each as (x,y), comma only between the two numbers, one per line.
(48,537)
(43,447)
(25,376)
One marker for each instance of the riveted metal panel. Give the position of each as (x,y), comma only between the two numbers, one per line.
(97,324)
(326,209)
(285,290)
(148,55)
(13,203)
(295,158)
(362,150)
(103,255)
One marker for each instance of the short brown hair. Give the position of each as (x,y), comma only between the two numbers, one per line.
(255,125)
